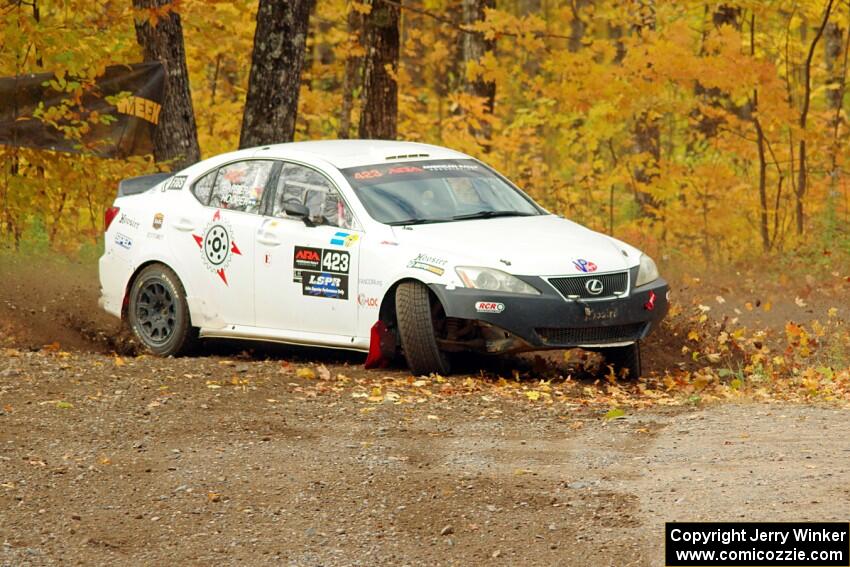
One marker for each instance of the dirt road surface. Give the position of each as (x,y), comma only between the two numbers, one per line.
(279,456)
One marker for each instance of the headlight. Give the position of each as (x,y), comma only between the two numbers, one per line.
(493,280)
(647,272)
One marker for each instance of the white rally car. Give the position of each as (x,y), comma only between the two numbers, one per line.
(375,246)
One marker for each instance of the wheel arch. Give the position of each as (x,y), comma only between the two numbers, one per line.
(387,312)
(126,301)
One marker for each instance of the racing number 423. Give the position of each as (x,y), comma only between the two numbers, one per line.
(335,261)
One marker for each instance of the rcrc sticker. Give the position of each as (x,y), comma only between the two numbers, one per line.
(489,307)
(322,284)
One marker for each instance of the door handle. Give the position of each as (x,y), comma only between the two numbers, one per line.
(185,225)
(268,239)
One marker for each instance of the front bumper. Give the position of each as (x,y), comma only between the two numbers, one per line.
(549,321)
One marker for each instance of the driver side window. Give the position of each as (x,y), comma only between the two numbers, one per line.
(312,189)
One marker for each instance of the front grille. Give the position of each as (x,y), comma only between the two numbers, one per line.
(567,336)
(612,284)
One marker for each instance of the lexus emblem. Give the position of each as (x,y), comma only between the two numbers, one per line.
(594,287)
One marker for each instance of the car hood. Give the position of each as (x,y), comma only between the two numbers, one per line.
(532,246)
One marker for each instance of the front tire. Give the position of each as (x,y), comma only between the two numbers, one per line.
(625,360)
(158,312)
(416,314)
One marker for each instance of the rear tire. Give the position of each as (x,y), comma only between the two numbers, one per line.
(625,360)
(158,313)
(415,313)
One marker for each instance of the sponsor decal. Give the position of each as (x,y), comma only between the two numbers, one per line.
(364,300)
(344,239)
(123,240)
(371,281)
(322,284)
(372,173)
(156,235)
(327,260)
(177,183)
(428,263)
(157,220)
(405,169)
(388,243)
(307,258)
(583,265)
(267,260)
(449,166)
(489,307)
(129,221)
(217,246)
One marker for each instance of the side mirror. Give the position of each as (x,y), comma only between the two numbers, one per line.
(298,210)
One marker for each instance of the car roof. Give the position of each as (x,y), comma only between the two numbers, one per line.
(353,153)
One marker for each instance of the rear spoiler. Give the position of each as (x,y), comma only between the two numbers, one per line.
(140,184)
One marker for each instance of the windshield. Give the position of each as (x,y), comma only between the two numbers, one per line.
(436,191)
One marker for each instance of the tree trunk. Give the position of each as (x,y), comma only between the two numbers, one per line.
(352,76)
(176,135)
(647,131)
(474,47)
(280,42)
(379,112)
(836,51)
(802,171)
(724,15)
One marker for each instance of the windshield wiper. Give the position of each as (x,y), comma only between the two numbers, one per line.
(415,221)
(491,214)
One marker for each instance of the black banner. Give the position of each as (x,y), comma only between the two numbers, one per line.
(130,133)
(744,544)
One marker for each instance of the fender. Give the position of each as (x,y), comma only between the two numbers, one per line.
(201,313)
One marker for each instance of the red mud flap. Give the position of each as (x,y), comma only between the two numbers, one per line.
(381,346)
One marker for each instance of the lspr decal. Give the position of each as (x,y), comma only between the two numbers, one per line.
(583,265)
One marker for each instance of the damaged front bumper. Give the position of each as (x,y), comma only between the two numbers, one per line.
(509,322)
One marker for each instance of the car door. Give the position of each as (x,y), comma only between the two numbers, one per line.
(216,249)
(307,271)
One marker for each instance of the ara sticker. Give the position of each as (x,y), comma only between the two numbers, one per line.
(323,284)
(217,246)
(584,265)
(489,307)
(123,240)
(157,220)
(344,239)
(177,183)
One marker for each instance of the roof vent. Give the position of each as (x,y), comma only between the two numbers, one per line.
(406,156)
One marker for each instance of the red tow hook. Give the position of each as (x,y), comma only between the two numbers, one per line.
(650,304)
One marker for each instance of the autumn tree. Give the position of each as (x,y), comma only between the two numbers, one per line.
(379,112)
(159,32)
(280,42)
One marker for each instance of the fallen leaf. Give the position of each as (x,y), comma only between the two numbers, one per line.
(615,413)
(306,373)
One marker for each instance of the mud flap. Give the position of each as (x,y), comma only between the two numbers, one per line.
(382,346)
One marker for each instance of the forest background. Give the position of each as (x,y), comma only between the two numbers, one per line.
(704,132)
